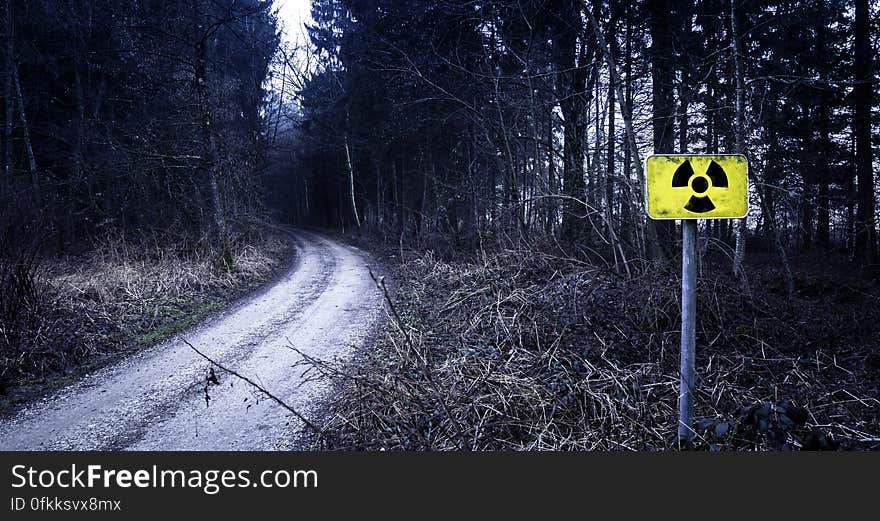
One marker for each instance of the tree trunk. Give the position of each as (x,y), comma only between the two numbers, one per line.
(610,174)
(551,216)
(593,191)
(354,210)
(8,96)
(209,153)
(740,131)
(823,221)
(78,153)
(807,169)
(570,91)
(626,111)
(807,218)
(632,146)
(32,162)
(862,96)
(662,76)
(685,89)
(770,222)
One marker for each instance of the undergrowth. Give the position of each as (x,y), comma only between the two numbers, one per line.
(526,352)
(58,314)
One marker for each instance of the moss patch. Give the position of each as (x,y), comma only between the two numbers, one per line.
(179,320)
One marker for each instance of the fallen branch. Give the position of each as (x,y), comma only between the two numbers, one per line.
(426,367)
(258,387)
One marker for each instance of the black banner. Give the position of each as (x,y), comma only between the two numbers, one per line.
(413,485)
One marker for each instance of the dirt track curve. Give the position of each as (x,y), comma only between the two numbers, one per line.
(326,306)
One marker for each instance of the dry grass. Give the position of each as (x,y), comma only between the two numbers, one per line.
(125,295)
(524,352)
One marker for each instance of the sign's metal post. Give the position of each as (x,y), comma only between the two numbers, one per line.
(688,329)
(691,187)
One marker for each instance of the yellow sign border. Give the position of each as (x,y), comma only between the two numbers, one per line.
(679,218)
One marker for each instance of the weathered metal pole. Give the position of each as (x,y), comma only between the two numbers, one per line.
(688,329)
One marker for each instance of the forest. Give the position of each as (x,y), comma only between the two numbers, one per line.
(519,121)
(132,146)
(506,142)
(492,155)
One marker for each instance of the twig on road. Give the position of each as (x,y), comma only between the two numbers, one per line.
(317,430)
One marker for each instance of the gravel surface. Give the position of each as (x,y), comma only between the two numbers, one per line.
(325,306)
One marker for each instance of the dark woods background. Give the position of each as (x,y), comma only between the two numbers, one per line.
(137,117)
(130,192)
(441,124)
(515,122)
(504,141)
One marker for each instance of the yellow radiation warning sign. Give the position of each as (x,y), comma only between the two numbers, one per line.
(697,186)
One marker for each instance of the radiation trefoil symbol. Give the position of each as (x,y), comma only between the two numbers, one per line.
(696,186)
(700,185)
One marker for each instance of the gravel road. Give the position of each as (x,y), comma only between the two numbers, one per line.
(326,306)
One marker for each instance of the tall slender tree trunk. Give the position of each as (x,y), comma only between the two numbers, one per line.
(807,170)
(626,111)
(206,123)
(632,146)
(662,79)
(354,210)
(380,194)
(740,135)
(280,101)
(78,153)
(612,131)
(570,90)
(685,89)
(532,218)
(574,186)
(551,216)
(593,192)
(610,174)
(823,215)
(8,95)
(711,102)
(396,196)
(850,213)
(769,210)
(807,217)
(683,121)
(862,96)
(32,162)
(823,221)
